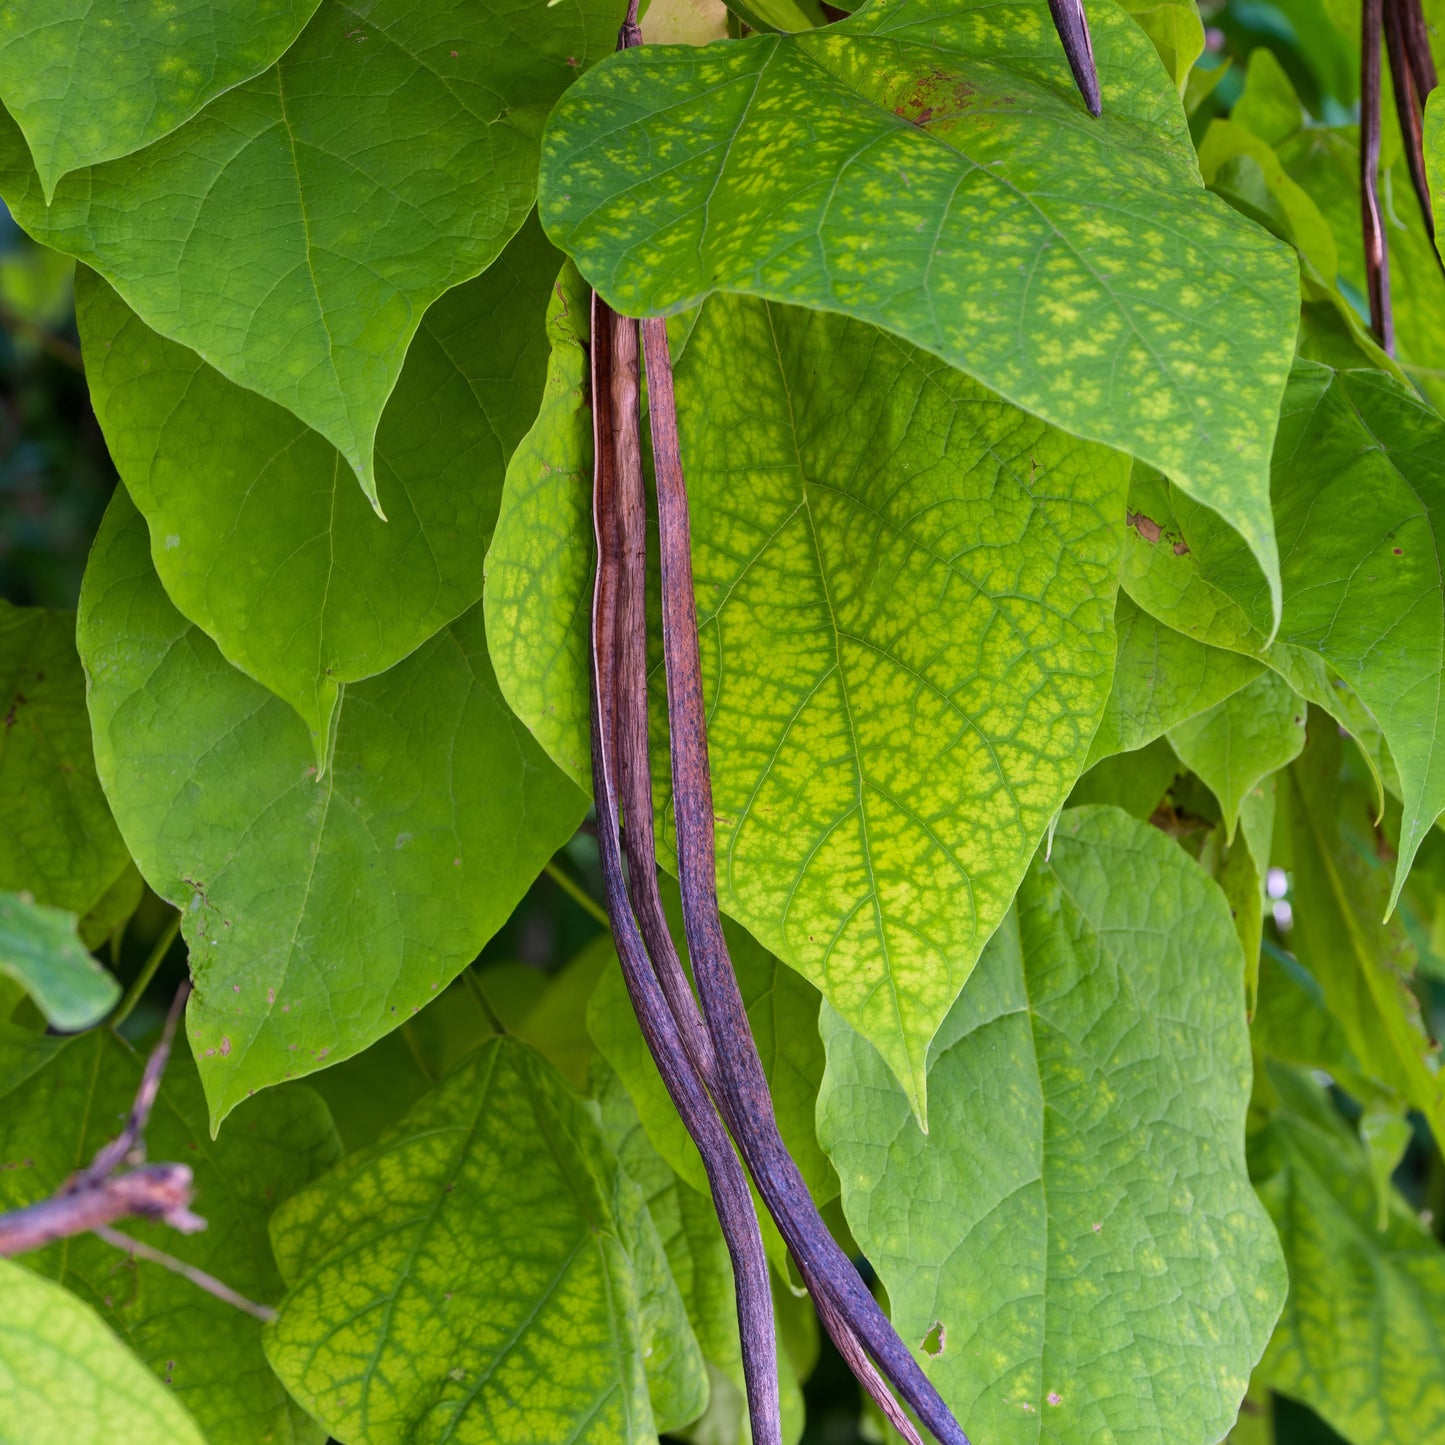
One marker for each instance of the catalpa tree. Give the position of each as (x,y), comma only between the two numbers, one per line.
(906,544)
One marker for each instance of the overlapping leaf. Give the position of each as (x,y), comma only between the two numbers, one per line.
(40,949)
(69,1380)
(495,1264)
(296,229)
(1074,1247)
(1359,483)
(943,180)
(58,841)
(257,528)
(1435,152)
(904,592)
(207,1351)
(88,82)
(321,911)
(1360,1337)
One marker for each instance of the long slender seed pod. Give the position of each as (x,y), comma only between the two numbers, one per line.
(1422,62)
(1072,23)
(1377,255)
(741,1084)
(731,1197)
(1409,105)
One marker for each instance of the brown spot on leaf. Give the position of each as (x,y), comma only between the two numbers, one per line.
(1146,527)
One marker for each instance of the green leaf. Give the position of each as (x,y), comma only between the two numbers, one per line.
(1359,1340)
(40,949)
(904,591)
(69,1380)
(1134,781)
(1363,965)
(87,83)
(1435,152)
(698,1259)
(321,911)
(1239,742)
(1161,677)
(493,1258)
(207,1351)
(1359,480)
(58,841)
(943,181)
(1078,1219)
(1269,106)
(783,1011)
(295,230)
(278,557)
(1176,31)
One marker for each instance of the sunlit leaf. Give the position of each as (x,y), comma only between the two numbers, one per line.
(310,902)
(495,1263)
(88,82)
(1073,1249)
(295,230)
(944,181)
(39,948)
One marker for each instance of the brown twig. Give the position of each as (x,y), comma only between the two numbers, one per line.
(1406,75)
(1072,23)
(198,1277)
(1377,254)
(845,1304)
(731,1197)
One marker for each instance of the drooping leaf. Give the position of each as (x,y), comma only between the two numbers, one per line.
(66,1380)
(1359,481)
(1359,1340)
(321,911)
(904,591)
(315,212)
(40,949)
(1161,677)
(783,1011)
(207,1351)
(539,566)
(1242,870)
(1134,781)
(1073,265)
(1239,742)
(88,82)
(1363,965)
(493,1258)
(1176,31)
(698,1259)
(57,838)
(257,528)
(1074,1248)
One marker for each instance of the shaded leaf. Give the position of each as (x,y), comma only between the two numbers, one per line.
(1133,781)
(310,903)
(315,212)
(1056,258)
(40,949)
(57,838)
(1176,31)
(1239,742)
(87,83)
(70,1380)
(207,1351)
(1078,1218)
(277,557)
(1360,1337)
(495,1261)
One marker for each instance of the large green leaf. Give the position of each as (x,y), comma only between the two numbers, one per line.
(296,229)
(1435,152)
(1161,677)
(1363,965)
(1239,742)
(1074,1248)
(783,1011)
(258,530)
(494,1262)
(87,82)
(207,1351)
(321,911)
(1360,1337)
(40,949)
(57,838)
(66,1380)
(943,180)
(1359,483)
(904,591)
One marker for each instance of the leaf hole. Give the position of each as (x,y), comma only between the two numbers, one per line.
(935,1339)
